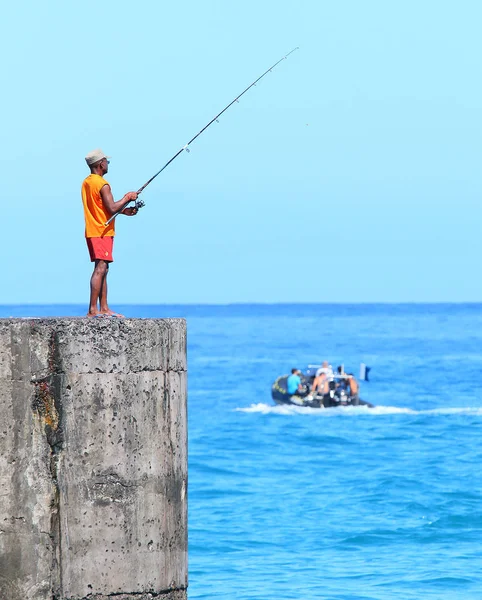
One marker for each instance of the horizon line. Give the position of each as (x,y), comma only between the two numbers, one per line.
(259,303)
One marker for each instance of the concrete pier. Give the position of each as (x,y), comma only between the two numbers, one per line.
(93,459)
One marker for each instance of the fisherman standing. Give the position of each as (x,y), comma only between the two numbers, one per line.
(99,206)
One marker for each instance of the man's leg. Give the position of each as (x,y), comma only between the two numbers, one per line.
(104,307)
(96,284)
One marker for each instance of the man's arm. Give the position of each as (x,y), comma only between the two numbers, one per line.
(110,204)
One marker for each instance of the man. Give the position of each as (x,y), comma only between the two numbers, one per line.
(99,206)
(293,383)
(326,369)
(353,387)
(320,384)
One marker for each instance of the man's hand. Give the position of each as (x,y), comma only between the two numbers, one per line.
(130,211)
(130,196)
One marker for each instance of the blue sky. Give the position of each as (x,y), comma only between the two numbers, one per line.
(351,173)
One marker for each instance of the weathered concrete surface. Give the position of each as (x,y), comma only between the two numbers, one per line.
(93,459)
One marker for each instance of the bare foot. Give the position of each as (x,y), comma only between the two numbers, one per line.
(95,315)
(111,313)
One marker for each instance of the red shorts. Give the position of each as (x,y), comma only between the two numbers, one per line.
(100,248)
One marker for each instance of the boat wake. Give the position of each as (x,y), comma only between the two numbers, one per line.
(289,409)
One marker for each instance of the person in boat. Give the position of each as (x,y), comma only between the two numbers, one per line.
(353,386)
(341,382)
(320,385)
(294,385)
(326,369)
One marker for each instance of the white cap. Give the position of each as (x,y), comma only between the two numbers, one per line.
(95,156)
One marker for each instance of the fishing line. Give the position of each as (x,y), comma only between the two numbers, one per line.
(140,203)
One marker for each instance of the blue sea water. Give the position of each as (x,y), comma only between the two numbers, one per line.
(347,503)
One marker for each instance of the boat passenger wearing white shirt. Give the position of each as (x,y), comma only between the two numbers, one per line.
(325,368)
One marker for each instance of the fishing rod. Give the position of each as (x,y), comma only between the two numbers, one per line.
(140,203)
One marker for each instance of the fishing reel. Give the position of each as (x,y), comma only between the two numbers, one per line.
(139,204)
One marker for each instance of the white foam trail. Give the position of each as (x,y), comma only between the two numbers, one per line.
(289,409)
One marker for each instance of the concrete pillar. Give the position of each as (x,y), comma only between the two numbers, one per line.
(93,459)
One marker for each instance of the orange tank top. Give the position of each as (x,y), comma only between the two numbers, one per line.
(94,212)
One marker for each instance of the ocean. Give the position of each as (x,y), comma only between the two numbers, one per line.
(337,504)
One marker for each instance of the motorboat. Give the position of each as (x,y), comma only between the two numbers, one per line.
(338,390)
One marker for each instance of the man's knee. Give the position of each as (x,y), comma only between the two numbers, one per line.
(101,267)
